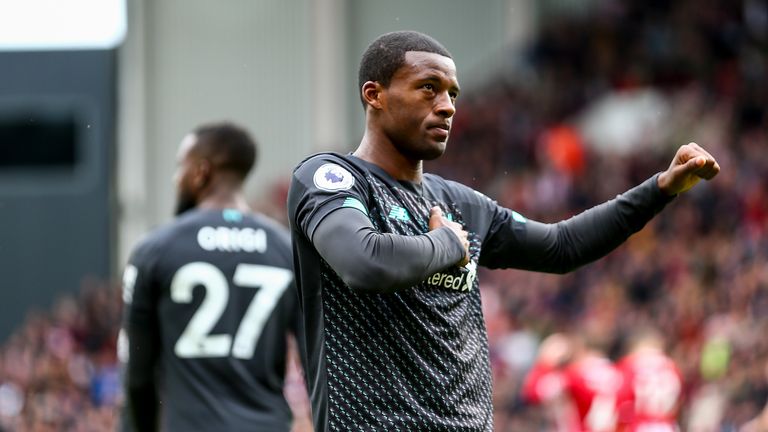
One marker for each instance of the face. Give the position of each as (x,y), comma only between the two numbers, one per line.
(418,106)
(184,178)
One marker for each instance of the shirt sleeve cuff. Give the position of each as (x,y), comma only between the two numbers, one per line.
(449,242)
(659,198)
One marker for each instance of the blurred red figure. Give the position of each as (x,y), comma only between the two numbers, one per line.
(650,398)
(577,382)
(565,149)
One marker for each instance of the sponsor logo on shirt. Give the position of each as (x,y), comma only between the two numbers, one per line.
(332,177)
(457,282)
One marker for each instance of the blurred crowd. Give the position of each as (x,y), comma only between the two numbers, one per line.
(58,371)
(601,102)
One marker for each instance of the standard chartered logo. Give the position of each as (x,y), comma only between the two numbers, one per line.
(457,282)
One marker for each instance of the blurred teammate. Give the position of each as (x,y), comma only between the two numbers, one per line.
(651,396)
(209,301)
(386,256)
(577,382)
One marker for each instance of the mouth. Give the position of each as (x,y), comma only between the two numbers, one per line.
(444,126)
(440,130)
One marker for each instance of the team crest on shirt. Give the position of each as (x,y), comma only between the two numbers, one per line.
(332,177)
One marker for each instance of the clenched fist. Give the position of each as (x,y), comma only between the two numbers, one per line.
(437,220)
(690,164)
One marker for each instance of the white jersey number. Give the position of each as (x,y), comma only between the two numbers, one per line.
(196,340)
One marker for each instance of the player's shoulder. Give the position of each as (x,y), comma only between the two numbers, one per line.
(454,189)
(263,221)
(271,226)
(649,360)
(328,172)
(227,218)
(324,159)
(435,180)
(151,245)
(328,156)
(169,233)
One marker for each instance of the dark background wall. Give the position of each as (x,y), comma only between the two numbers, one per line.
(57,131)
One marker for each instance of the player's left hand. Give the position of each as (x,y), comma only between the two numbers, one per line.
(690,164)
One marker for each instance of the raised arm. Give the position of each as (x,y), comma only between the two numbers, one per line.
(564,246)
(375,262)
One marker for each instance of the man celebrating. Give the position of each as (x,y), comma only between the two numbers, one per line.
(576,380)
(209,301)
(652,393)
(386,255)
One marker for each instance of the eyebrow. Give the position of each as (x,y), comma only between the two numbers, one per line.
(433,77)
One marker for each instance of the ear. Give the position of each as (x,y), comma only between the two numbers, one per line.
(372,93)
(203,173)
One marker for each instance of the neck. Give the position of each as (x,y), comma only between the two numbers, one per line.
(225,196)
(379,150)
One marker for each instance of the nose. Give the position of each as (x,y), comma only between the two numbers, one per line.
(444,105)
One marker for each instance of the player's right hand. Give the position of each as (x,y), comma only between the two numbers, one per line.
(438,220)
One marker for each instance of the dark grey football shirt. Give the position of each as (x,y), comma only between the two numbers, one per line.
(210,301)
(391,357)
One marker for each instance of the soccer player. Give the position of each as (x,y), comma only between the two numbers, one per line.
(650,398)
(210,300)
(577,382)
(386,255)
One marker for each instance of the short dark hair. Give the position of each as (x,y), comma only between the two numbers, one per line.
(228,147)
(385,55)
